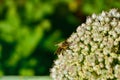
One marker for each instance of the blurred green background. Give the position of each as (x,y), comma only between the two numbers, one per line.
(29,29)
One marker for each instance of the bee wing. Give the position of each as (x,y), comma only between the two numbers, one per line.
(58,51)
(59,44)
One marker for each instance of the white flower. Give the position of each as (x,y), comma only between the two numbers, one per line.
(94,52)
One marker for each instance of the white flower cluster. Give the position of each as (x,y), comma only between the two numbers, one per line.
(93,52)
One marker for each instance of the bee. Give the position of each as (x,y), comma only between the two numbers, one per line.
(62,46)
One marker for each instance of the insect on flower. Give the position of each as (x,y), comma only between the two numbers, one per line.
(61,47)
